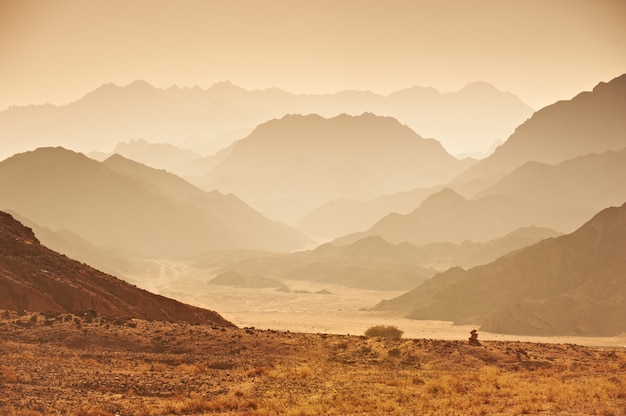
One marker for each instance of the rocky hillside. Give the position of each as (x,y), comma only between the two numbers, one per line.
(35,278)
(574,284)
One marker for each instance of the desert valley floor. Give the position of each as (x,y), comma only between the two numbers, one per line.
(304,309)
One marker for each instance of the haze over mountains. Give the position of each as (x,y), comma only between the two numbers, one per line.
(591,122)
(206,120)
(397,207)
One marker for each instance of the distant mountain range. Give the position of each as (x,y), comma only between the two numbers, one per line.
(592,122)
(569,285)
(286,168)
(206,120)
(124,205)
(35,278)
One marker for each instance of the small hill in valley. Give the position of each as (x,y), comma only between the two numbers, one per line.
(35,278)
(236,279)
(287,167)
(569,285)
(592,122)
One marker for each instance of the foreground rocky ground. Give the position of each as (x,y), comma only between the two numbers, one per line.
(62,364)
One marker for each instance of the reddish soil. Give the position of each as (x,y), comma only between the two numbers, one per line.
(58,364)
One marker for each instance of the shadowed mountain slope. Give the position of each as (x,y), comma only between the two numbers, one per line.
(591,122)
(35,278)
(569,285)
(290,166)
(156,214)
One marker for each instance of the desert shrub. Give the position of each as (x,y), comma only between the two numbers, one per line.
(386,331)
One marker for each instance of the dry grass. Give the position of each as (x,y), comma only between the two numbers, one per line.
(205,371)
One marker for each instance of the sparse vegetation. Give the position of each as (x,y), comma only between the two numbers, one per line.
(386,331)
(162,369)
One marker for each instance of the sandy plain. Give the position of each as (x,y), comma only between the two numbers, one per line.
(343,311)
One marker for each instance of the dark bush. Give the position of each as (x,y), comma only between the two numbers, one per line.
(385,331)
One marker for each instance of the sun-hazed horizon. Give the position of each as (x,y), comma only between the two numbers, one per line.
(59,50)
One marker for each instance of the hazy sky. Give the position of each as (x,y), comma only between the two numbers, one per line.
(541,50)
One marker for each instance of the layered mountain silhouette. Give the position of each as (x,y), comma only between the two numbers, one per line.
(591,181)
(207,120)
(370,263)
(344,216)
(446,216)
(287,167)
(158,155)
(569,285)
(560,196)
(125,205)
(35,278)
(592,122)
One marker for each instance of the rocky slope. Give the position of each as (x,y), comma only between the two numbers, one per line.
(35,278)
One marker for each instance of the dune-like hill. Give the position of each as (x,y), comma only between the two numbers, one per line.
(569,285)
(35,278)
(446,216)
(209,119)
(592,122)
(133,208)
(288,167)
